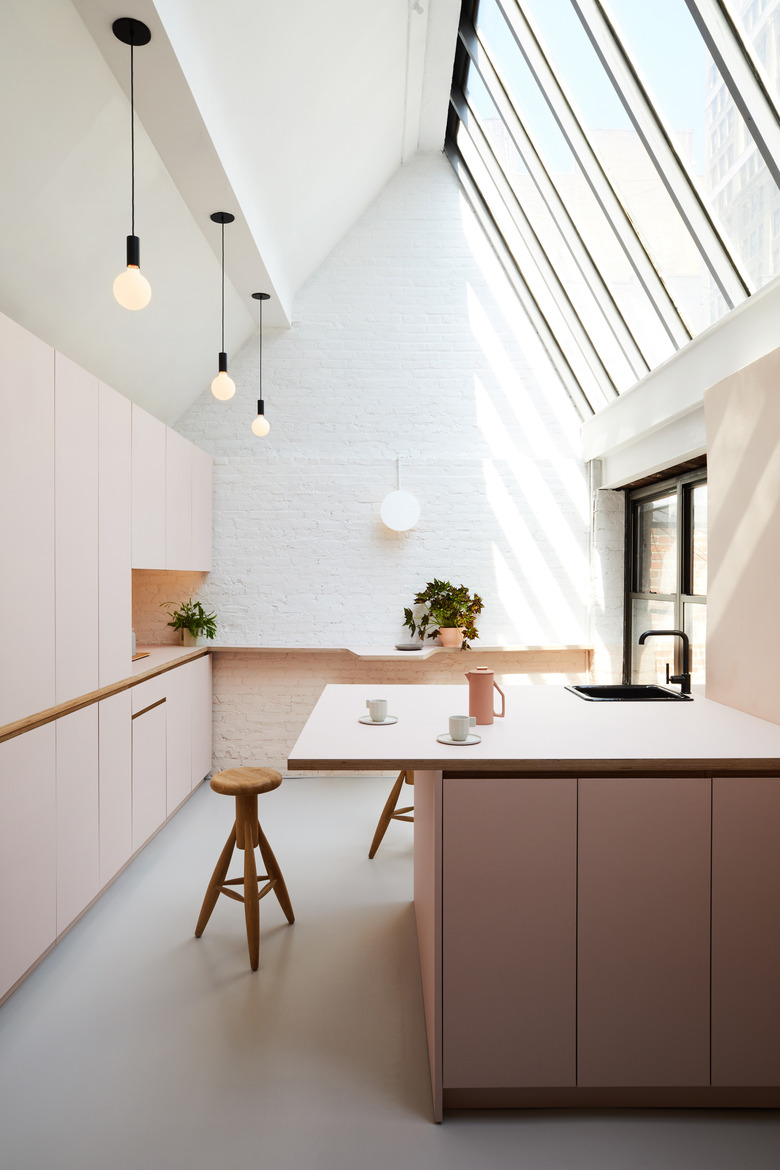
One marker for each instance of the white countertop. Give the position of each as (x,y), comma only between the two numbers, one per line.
(547,728)
(383,653)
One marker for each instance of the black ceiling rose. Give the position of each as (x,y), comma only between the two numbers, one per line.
(131,32)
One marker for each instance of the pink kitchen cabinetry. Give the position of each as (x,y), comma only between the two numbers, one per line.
(643,1003)
(745,932)
(28,852)
(149,484)
(509,932)
(115,745)
(178,501)
(202,471)
(26,523)
(76,544)
(78,822)
(114,536)
(202,718)
(150,733)
(178,716)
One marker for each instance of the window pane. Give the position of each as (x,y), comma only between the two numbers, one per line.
(711,134)
(649,661)
(656,549)
(623,155)
(699,540)
(696,628)
(585,210)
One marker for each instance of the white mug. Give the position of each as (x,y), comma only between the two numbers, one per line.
(460,726)
(377,709)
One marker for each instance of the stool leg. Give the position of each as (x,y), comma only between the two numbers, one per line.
(273,871)
(215,885)
(387,814)
(251,902)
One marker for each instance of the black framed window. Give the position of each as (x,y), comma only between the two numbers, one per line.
(666,576)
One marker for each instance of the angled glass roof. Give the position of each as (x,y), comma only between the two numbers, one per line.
(623,156)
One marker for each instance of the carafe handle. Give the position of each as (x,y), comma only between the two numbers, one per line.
(500,714)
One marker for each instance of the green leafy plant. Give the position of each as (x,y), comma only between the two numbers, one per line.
(191,616)
(449,606)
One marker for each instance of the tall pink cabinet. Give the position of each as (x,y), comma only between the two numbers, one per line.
(91,486)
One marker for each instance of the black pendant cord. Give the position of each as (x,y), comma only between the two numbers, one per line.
(260,364)
(223,288)
(132,146)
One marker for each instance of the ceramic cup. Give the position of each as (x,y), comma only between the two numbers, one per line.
(377,709)
(460,725)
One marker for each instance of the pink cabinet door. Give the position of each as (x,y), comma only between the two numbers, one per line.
(509,932)
(149,771)
(28,852)
(26,523)
(643,1006)
(200,671)
(148,477)
(201,509)
(178,714)
(178,501)
(114,534)
(78,848)
(745,931)
(116,783)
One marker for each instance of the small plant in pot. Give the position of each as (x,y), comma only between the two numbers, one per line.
(190,620)
(451,614)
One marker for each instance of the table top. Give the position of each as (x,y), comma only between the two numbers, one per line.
(547,729)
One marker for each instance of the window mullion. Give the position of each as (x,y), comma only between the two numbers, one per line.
(733,284)
(537,259)
(741,73)
(479,55)
(571,128)
(508,262)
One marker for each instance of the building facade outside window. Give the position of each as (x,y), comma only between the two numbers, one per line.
(666,576)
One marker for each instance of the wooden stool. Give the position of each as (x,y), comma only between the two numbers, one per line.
(246,784)
(390,812)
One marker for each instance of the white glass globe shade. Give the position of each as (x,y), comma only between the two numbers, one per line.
(131,288)
(260,426)
(223,386)
(400,511)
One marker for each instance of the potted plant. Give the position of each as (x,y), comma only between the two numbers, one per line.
(191,620)
(450,613)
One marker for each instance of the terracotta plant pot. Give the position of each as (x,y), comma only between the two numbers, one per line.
(451,636)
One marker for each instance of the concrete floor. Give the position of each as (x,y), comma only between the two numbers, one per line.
(134,1045)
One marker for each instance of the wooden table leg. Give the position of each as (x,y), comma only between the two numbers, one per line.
(387,814)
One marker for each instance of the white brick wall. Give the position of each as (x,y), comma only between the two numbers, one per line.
(407,341)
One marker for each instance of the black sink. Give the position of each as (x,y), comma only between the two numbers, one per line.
(620,693)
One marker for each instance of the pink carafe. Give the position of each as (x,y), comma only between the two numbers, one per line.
(481,684)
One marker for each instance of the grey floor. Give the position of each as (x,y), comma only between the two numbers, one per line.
(135,1045)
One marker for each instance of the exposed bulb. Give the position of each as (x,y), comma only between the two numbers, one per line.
(260,426)
(131,288)
(223,386)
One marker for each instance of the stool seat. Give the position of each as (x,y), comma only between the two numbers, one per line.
(246,784)
(245,781)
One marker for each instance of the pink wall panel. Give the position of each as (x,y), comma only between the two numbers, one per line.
(427,910)
(509,951)
(643,932)
(78,848)
(745,931)
(114,532)
(116,784)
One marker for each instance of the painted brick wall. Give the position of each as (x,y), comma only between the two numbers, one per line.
(406,342)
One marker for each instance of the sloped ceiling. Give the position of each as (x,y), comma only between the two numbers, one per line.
(293,116)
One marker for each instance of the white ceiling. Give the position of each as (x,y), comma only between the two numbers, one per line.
(291,115)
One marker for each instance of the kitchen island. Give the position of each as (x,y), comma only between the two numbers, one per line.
(597,892)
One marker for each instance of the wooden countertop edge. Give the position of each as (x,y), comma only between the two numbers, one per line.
(391,654)
(588,767)
(10,730)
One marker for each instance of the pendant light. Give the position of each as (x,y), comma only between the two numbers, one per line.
(261,425)
(400,510)
(131,288)
(223,386)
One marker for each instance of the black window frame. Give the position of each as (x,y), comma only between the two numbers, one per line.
(683,484)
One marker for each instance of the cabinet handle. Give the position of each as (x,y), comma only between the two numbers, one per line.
(151,707)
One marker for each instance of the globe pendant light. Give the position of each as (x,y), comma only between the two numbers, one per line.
(261,425)
(131,288)
(223,386)
(400,510)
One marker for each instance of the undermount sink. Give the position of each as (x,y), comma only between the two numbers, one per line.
(620,693)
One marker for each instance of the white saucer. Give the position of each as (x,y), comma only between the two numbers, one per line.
(367,720)
(446,738)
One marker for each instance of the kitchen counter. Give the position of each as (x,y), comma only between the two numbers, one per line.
(596,891)
(546,729)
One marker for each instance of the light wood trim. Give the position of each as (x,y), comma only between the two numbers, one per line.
(151,707)
(652,766)
(11,730)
